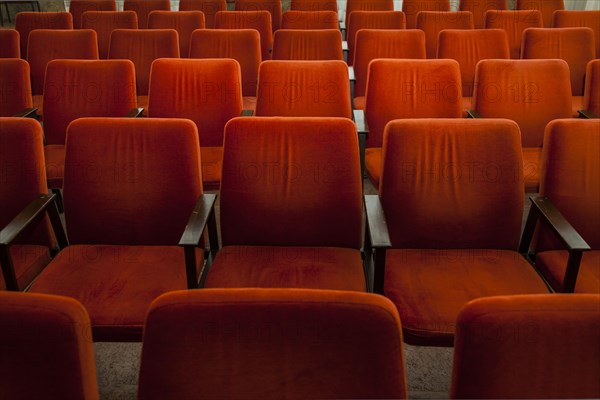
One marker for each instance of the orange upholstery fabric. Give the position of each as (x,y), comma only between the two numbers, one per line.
(272,343)
(502,344)
(591,93)
(15,87)
(295,19)
(142,47)
(25,22)
(479,8)
(143,8)
(411,9)
(314,5)
(303,89)
(553,263)
(208,7)
(259,20)
(46,348)
(10,43)
(433,22)
(317,44)
(28,261)
(184,22)
(105,22)
(514,23)
(78,7)
(367,5)
(274,8)
(47,45)
(546,7)
(574,19)
(371,20)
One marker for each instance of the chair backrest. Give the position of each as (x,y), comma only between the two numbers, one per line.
(470,197)
(501,347)
(208,7)
(574,45)
(529,92)
(479,8)
(117,172)
(295,343)
(412,7)
(78,7)
(274,8)
(47,349)
(243,45)
(574,19)
(206,91)
(367,5)
(591,93)
(104,23)
(15,86)
(25,22)
(184,22)
(76,88)
(546,7)
(303,89)
(433,22)
(294,19)
(410,89)
(142,47)
(514,23)
(52,44)
(314,44)
(259,20)
(371,20)
(280,172)
(375,43)
(314,5)
(143,8)
(10,39)
(468,47)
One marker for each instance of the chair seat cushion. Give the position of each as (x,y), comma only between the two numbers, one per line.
(553,265)
(430,287)
(28,261)
(38,102)
(249,103)
(577,104)
(142,102)
(532,160)
(212,161)
(466,105)
(55,165)
(287,267)
(374,164)
(360,102)
(116,284)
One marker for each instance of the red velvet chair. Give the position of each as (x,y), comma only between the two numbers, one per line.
(449,214)
(317,44)
(366,5)
(290,206)
(208,7)
(546,7)
(259,20)
(479,8)
(294,19)
(143,8)
(10,40)
(514,23)
(371,20)
(433,22)
(123,230)
(104,23)
(272,343)
(25,22)
(591,93)
(528,347)
(274,7)
(184,22)
(576,19)
(46,347)
(314,5)
(15,88)
(412,8)
(78,7)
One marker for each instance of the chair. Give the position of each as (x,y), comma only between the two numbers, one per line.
(468,47)
(122,227)
(46,348)
(25,22)
(78,7)
(314,5)
(514,23)
(243,45)
(569,187)
(104,23)
(280,172)
(529,92)
(546,7)
(366,5)
(450,221)
(576,19)
(317,44)
(270,339)
(591,93)
(208,7)
(143,8)
(294,19)
(502,348)
(259,20)
(184,22)
(214,98)
(574,45)
(479,8)
(75,89)
(411,9)
(15,87)
(433,22)
(272,6)
(371,20)
(10,43)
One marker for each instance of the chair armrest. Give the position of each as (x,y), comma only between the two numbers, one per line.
(360,121)
(135,113)
(342,26)
(27,113)
(473,114)
(587,114)
(345,46)
(351,74)
(246,113)
(377,241)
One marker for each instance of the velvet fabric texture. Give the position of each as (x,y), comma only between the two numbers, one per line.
(411,9)
(303,89)
(15,86)
(574,19)
(10,40)
(314,5)
(25,22)
(269,343)
(259,20)
(78,7)
(591,93)
(208,7)
(452,192)
(367,5)
(46,348)
(274,7)
(53,44)
(308,45)
(502,348)
(104,23)
(546,7)
(143,8)
(207,92)
(295,19)
(371,20)
(184,22)
(514,23)
(433,22)
(479,8)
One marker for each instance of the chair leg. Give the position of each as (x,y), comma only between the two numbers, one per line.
(59,201)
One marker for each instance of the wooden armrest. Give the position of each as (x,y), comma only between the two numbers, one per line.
(377,241)
(587,114)
(135,113)
(246,113)
(345,46)
(360,121)
(351,74)
(342,26)
(27,113)
(473,114)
